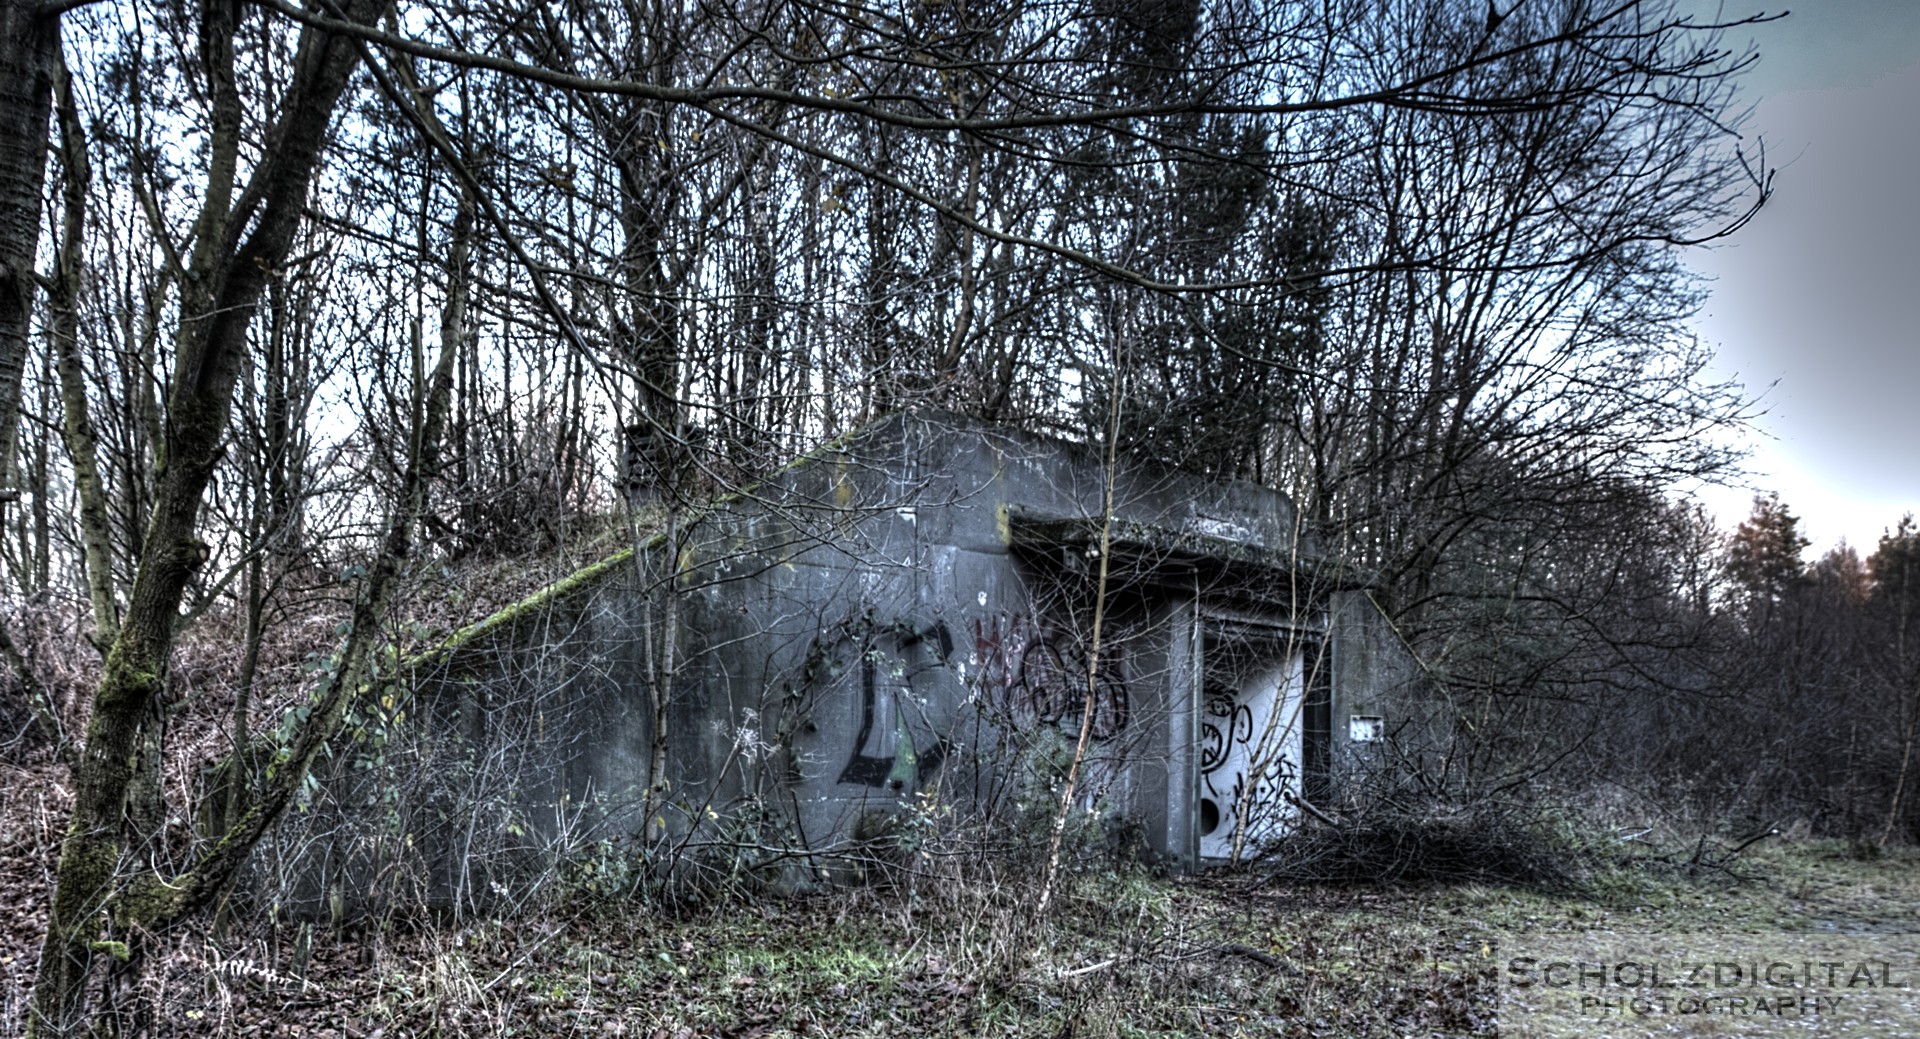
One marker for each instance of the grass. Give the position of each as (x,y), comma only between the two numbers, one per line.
(1123,955)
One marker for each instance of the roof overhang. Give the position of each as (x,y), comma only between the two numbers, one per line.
(1193,559)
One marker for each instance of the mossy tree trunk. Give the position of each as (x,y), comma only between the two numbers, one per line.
(112,883)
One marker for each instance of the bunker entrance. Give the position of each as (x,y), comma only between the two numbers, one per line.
(1263,735)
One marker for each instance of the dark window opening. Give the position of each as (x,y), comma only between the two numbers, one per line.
(1316,737)
(1209,816)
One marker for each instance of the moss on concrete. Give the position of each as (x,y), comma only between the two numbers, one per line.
(593,573)
(565,588)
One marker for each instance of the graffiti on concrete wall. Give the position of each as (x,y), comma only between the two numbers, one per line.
(1037,670)
(1250,754)
(904,677)
(890,759)
(897,667)
(1226,725)
(1230,747)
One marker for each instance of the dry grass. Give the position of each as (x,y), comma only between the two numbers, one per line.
(1123,954)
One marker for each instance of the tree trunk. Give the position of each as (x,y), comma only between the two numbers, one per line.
(96,530)
(29,45)
(226,278)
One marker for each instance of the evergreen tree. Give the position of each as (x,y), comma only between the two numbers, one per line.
(1763,558)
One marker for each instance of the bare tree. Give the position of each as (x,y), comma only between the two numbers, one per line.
(1413,244)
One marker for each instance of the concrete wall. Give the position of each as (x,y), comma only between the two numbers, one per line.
(904,612)
(872,625)
(907,613)
(453,792)
(1378,685)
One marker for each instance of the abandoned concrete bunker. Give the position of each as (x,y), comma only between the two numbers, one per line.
(929,612)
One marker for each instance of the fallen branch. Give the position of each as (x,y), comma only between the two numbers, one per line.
(1249,952)
(1090,968)
(1302,804)
(1763,833)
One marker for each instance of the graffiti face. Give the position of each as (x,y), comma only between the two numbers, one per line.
(1228,725)
(1039,672)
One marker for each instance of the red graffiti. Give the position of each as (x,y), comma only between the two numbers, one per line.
(1038,672)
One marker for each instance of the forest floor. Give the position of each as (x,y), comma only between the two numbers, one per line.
(1119,954)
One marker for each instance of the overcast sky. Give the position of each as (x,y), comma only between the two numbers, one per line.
(1815,305)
